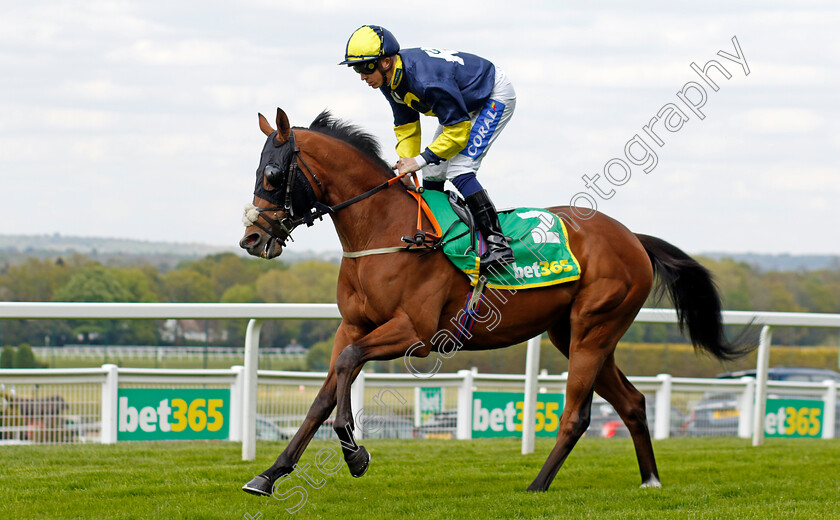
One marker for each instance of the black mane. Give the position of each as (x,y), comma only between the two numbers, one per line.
(351,134)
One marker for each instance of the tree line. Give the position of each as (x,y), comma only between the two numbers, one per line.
(225,278)
(230,278)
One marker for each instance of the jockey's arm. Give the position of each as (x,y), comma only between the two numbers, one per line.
(408,139)
(451,111)
(452,140)
(452,114)
(449,143)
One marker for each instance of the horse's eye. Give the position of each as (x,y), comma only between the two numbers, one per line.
(273,176)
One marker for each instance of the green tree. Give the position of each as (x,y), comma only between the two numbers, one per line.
(318,357)
(304,282)
(239,293)
(95,284)
(140,283)
(231,270)
(7,357)
(188,286)
(733,282)
(34,280)
(25,358)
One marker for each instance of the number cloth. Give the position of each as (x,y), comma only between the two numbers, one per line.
(538,237)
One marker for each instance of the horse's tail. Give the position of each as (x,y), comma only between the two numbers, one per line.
(696,300)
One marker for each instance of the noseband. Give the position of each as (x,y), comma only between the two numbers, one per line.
(299,206)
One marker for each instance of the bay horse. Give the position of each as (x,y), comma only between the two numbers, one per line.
(392,302)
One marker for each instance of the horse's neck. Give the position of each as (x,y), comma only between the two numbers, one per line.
(377,221)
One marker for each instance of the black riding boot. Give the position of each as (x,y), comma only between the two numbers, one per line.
(487,220)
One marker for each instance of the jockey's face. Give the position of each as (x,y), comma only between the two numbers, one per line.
(380,76)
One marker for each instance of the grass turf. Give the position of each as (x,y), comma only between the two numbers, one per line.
(702,479)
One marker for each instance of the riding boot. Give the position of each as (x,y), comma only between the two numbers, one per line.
(487,221)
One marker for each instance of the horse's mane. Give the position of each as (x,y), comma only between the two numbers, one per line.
(351,134)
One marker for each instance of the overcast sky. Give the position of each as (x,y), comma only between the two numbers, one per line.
(139,119)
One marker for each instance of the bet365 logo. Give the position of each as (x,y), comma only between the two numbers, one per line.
(499,414)
(164,414)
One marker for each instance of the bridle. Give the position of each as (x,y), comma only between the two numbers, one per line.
(300,206)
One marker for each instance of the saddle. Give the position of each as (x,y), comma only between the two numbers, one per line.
(538,238)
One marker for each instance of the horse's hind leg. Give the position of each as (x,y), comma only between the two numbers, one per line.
(583,366)
(630,405)
(598,319)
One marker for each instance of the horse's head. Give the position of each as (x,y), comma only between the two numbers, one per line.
(283,196)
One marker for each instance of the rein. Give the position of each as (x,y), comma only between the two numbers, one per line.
(280,229)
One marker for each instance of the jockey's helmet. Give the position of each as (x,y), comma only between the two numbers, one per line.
(366,45)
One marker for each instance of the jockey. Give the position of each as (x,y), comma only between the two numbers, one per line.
(472,99)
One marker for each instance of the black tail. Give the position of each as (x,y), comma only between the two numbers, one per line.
(696,300)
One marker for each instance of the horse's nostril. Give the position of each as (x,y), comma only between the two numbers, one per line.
(249,241)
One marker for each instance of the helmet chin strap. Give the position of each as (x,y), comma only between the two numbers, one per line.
(383,70)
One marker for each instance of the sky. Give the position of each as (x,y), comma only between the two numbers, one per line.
(138,120)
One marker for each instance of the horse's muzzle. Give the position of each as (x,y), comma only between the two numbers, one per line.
(261,245)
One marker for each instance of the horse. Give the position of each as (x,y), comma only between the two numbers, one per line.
(393,301)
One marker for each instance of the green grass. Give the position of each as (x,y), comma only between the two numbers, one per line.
(702,479)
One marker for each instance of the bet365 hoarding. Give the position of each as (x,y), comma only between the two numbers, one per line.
(794,418)
(499,414)
(152,414)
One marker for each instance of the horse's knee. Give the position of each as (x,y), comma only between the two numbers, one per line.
(348,359)
(575,427)
(635,416)
(344,426)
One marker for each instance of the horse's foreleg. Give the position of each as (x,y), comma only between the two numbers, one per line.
(347,367)
(321,408)
(388,341)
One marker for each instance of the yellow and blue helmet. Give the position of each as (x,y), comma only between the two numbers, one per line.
(366,45)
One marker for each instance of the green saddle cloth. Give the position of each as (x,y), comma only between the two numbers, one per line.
(539,241)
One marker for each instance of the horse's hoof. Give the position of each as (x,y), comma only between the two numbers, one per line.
(358,462)
(259,486)
(652,482)
(536,489)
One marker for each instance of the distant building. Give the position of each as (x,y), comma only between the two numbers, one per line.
(294,349)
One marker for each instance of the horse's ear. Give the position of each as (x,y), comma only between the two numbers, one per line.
(283,127)
(265,126)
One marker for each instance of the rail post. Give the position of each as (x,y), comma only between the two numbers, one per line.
(110,404)
(662,419)
(761,369)
(249,390)
(830,416)
(236,399)
(465,397)
(529,409)
(745,408)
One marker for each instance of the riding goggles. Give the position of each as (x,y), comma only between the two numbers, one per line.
(365,68)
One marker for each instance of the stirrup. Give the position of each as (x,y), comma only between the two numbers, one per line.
(496,258)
